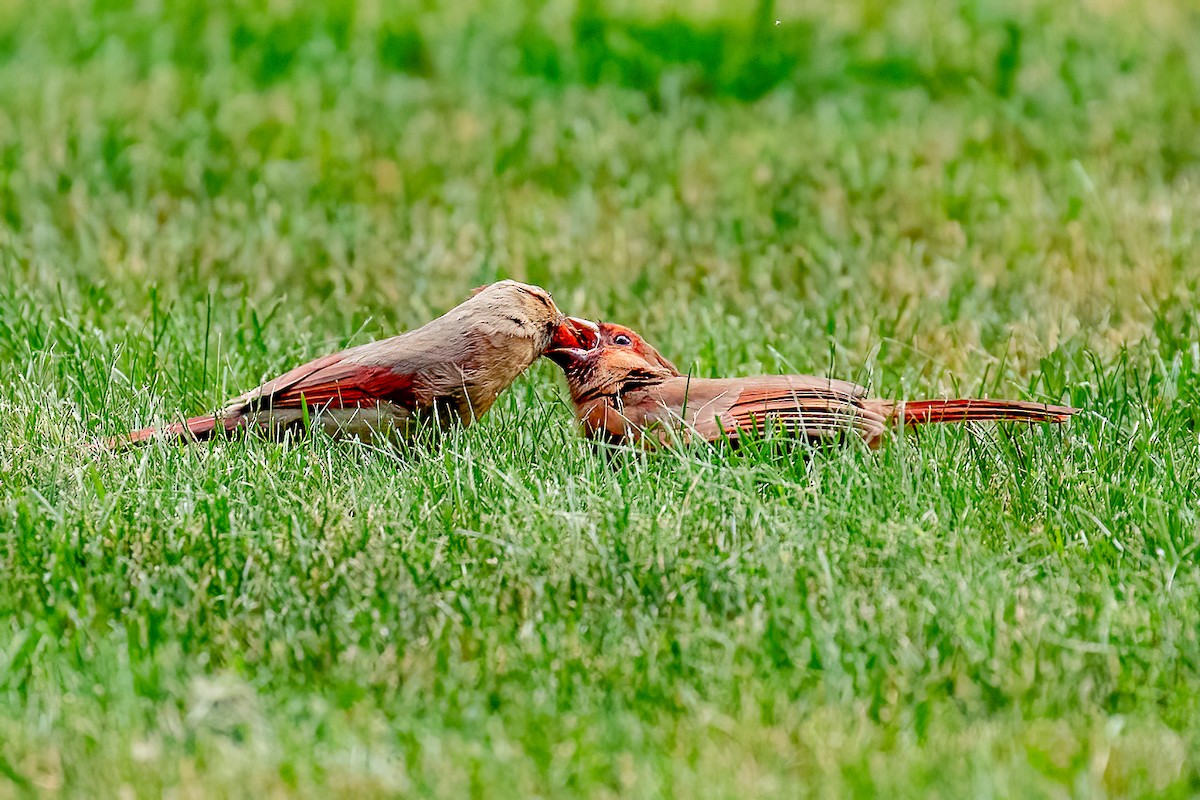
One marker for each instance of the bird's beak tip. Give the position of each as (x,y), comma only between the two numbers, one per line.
(571,339)
(572,333)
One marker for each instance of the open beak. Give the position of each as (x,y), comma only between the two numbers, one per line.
(571,339)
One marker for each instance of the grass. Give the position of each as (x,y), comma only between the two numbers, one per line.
(931,197)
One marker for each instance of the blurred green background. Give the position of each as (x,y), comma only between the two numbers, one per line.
(927,195)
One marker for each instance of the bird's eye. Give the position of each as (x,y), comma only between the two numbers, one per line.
(622,340)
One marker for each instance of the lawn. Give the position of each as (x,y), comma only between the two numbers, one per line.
(929,196)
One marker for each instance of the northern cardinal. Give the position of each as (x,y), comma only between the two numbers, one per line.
(624,391)
(449,370)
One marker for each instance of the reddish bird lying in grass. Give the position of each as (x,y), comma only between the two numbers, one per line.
(624,391)
(448,371)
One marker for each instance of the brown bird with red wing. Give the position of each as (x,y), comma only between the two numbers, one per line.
(624,391)
(450,370)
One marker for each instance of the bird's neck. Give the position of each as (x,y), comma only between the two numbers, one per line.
(613,389)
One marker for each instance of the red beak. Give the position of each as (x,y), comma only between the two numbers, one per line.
(571,338)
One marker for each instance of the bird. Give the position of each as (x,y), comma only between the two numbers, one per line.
(448,371)
(625,392)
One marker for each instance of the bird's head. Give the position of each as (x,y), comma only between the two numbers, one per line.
(522,310)
(616,360)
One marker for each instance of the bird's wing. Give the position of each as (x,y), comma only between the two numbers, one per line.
(809,407)
(333,381)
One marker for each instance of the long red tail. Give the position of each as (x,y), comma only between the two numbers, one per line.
(196,429)
(925,412)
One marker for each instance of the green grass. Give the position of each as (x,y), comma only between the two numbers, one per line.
(932,197)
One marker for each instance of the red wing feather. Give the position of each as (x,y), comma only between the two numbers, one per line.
(287,380)
(327,382)
(776,391)
(816,410)
(333,382)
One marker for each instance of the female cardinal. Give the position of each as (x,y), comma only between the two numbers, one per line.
(624,391)
(451,370)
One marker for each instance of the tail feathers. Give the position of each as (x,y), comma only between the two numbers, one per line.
(925,412)
(196,429)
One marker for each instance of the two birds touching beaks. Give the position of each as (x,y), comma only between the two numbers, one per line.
(451,370)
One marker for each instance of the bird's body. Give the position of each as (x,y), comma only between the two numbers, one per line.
(450,370)
(624,391)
